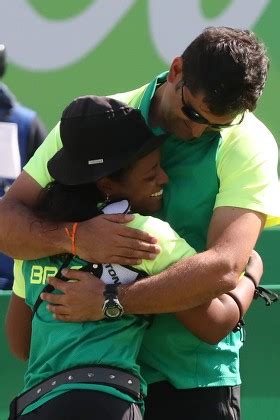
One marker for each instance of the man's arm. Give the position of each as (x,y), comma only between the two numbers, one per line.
(36,136)
(214,320)
(22,235)
(191,282)
(232,235)
(101,239)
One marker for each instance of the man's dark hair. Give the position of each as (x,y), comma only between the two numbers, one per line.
(229,66)
(2,60)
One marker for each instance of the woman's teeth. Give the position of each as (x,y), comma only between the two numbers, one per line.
(157,194)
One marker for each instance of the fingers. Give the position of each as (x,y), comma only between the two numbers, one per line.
(52,298)
(254,268)
(142,237)
(119,218)
(58,310)
(58,299)
(128,232)
(64,286)
(131,256)
(106,237)
(64,318)
(60,313)
(80,301)
(56,304)
(255,259)
(136,248)
(127,256)
(75,275)
(58,284)
(254,256)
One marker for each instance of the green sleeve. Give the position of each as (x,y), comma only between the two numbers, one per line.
(37,165)
(19,282)
(132,98)
(173,248)
(247,168)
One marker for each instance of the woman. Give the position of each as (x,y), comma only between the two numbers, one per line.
(109,163)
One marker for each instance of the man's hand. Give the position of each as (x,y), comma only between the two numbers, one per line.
(81,300)
(105,239)
(254,267)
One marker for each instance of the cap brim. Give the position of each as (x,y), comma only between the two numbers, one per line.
(69,171)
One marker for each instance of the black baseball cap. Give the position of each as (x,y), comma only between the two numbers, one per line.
(100,135)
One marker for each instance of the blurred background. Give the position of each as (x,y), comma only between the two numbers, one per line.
(61,49)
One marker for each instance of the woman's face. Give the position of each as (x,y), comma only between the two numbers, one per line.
(142,185)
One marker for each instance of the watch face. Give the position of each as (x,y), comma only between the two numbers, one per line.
(113,312)
(112,308)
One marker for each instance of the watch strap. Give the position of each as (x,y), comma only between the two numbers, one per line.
(111,289)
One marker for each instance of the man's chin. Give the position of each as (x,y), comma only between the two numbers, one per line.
(184,137)
(183,134)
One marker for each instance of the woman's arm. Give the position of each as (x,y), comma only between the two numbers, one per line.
(18,327)
(214,320)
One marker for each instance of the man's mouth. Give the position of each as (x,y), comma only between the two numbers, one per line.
(157,194)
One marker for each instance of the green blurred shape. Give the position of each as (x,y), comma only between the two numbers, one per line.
(51,9)
(212,8)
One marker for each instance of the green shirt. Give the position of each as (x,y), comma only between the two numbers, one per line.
(56,345)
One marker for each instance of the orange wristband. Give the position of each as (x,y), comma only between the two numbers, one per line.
(72,236)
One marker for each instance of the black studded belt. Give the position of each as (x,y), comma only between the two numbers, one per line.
(102,375)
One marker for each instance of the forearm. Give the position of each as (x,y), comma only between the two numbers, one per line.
(243,294)
(213,321)
(198,279)
(100,239)
(25,236)
(187,284)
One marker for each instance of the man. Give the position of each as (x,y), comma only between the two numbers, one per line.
(219,156)
(31,134)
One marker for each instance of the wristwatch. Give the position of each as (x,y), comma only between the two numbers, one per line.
(112,308)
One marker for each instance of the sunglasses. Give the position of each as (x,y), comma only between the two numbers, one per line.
(194,116)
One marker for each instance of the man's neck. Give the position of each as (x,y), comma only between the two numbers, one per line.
(155,107)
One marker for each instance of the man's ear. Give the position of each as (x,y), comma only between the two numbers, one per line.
(176,70)
(106,186)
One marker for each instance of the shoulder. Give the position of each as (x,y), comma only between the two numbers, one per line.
(247,162)
(132,97)
(37,165)
(251,144)
(250,137)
